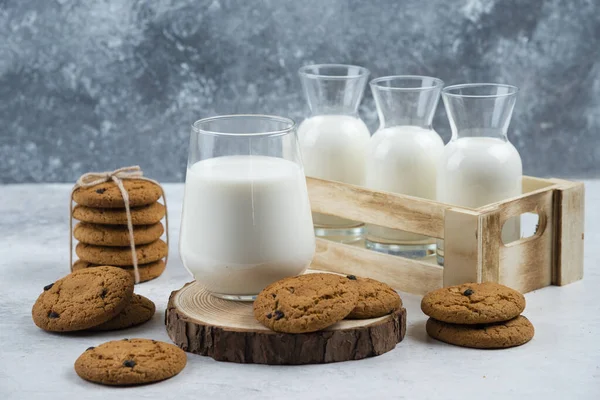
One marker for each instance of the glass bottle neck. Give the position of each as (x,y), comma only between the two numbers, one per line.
(327,98)
(406,100)
(479,109)
(333,89)
(400,109)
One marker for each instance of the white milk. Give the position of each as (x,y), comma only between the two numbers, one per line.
(476,171)
(246,223)
(334,147)
(402,159)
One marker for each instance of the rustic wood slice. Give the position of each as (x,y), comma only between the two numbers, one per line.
(227,331)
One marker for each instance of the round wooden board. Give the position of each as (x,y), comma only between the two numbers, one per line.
(227,331)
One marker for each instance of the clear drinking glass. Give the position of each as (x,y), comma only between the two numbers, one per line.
(403,154)
(479,165)
(333,138)
(246,218)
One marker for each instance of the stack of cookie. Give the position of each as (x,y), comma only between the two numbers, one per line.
(103,235)
(98,299)
(478,315)
(312,302)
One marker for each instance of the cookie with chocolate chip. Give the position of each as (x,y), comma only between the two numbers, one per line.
(121,256)
(83,299)
(473,303)
(139,310)
(306,303)
(142,215)
(499,335)
(130,362)
(108,195)
(116,235)
(375,299)
(147,271)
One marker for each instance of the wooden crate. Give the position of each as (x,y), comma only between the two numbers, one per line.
(474,251)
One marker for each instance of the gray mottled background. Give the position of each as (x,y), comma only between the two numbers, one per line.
(96,84)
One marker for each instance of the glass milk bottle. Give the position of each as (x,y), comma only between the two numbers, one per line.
(403,154)
(479,165)
(334,139)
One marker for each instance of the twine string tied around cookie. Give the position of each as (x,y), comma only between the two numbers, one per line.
(117,176)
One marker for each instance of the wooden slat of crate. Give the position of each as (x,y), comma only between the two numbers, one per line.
(390,210)
(531,183)
(462,247)
(412,276)
(569,237)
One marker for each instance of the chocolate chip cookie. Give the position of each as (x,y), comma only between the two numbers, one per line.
(147,271)
(143,215)
(499,335)
(306,303)
(130,362)
(116,235)
(108,195)
(139,310)
(375,299)
(83,299)
(473,303)
(121,256)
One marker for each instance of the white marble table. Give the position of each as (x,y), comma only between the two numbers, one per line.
(561,362)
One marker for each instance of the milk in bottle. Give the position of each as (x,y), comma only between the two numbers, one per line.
(479,165)
(403,154)
(333,139)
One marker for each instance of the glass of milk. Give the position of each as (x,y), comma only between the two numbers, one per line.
(333,138)
(246,218)
(479,165)
(403,154)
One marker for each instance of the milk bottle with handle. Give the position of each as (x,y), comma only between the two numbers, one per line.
(403,154)
(334,140)
(479,165)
